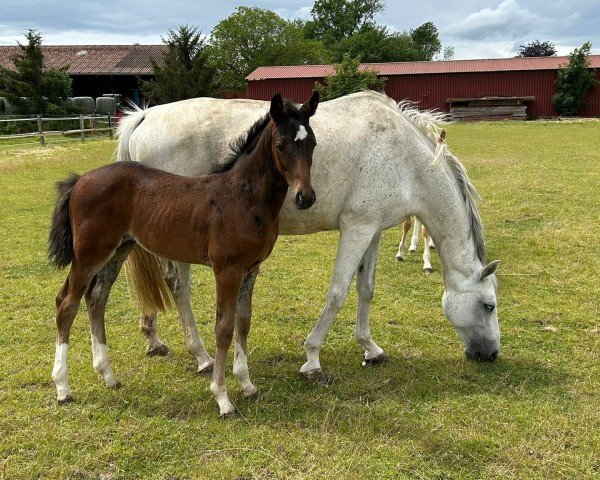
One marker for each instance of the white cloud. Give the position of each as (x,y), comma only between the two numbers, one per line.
(508,20)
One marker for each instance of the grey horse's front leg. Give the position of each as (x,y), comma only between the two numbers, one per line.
(354,241)
(365,285)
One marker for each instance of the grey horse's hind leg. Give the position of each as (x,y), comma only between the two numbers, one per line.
(179,283)
(365,285)
(96,297)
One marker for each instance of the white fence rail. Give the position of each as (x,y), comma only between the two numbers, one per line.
(92,120)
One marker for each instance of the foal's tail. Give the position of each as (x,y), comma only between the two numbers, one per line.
(145,272)
(60,241)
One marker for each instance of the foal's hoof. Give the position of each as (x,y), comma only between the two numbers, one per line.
(206,368)
(67,399)
(317,375)
(428,271)
(160,351)
(378,360)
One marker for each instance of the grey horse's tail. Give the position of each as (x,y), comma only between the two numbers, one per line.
(60,241)
(129,122)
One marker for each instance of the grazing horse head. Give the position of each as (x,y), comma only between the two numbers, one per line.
(471,308)
(293,145)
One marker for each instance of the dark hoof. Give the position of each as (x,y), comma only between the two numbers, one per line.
(116,386)
(206,370)
(378,360)
(64,401)
(399,259)
(317,375)
(428,271)
(228,415)
(412,250)
(160,351)
(253,396)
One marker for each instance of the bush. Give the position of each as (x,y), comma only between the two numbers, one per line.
(348,79)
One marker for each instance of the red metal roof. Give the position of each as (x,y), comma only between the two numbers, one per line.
(94,59)
(412,68)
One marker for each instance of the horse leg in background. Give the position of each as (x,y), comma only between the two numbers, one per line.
(427,268)
(178,280)
(96,297)
(228,286)
(402,246)
(242,328)
(354,241)
(414,241)
(67,304)
(365,284)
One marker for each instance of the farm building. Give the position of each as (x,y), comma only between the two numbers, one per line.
(98,69)
(500,88)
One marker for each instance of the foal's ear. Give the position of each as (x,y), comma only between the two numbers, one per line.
(310,107)
(276,111)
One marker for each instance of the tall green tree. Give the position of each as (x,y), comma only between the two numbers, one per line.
(348,78)
(31,87)
(537,49)
(334,20)
(252,37)
(426,41)
(573,82)
(186,70)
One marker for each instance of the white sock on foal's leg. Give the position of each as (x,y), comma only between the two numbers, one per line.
(101,363)
(60,373)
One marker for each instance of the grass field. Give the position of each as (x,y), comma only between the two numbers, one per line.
(430,413)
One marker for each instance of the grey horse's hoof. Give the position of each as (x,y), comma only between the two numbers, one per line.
(116,386)
(206,369)
(317,375)
(428,271)
(160,351)
(378,360)
(67,399)
(253,396)
(412,250)
(399,259)
(228,415)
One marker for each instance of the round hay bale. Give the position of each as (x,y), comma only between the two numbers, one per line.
(9,108)
(106,105)
(84,104)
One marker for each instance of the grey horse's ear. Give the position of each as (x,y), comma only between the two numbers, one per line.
(489,269)
(310,107)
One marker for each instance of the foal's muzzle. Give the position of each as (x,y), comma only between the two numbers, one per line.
(303,202)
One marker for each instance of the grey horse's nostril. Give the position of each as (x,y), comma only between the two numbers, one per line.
(494,355)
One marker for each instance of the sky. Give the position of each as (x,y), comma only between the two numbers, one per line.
(483,29)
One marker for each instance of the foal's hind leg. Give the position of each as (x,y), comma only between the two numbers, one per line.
(242,328)
(96,297)
(67,304)
(179,283)
(365,285)
(414,241)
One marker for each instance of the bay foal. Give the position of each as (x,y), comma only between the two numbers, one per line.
(228,220)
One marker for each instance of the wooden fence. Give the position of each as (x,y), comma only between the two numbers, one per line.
(39,119)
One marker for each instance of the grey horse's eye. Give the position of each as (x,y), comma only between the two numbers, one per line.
(489,307)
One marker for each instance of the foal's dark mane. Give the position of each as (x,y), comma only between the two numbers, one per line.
(246,142)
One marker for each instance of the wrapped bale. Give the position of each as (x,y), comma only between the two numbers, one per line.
(84,104)
(106,105)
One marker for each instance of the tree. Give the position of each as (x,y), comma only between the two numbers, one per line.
(573,82)
(334,20)
(349,79)
(537,49)
(30,86)
(252,37)
(426,41)
(186,70)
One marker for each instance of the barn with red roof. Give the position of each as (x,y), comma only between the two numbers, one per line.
(492,88)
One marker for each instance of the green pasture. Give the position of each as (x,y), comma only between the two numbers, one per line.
(429,414)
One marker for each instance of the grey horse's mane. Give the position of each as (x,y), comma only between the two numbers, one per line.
(430,123)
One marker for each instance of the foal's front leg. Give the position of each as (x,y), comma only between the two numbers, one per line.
(228,286)
(242,328)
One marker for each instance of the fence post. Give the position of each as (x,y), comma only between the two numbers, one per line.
(41,130)
(82,128)
(110,132)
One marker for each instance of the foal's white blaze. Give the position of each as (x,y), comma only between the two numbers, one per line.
(301,134)
(60,371)
(101,362)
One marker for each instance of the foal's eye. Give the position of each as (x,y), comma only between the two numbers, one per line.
(280,147)
(489,307)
